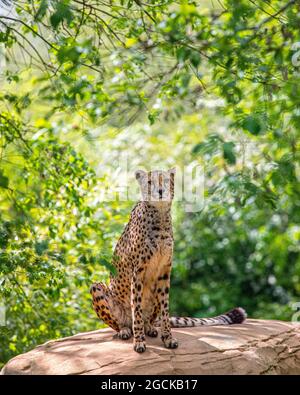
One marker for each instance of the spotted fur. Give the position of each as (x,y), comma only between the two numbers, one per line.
(137,298)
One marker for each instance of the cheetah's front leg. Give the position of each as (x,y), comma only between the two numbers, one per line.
(163,296)
(139,343)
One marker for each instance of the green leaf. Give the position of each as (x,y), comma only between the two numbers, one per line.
(63,12)
(41,10)
(41,246)
(210,146)
(3,180)
(252,124)
(197,148)
(153,115)
(195,58)
(228,152)
(109,266)
(183,53)
(66,54)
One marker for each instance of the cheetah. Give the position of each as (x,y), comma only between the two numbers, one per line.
(137,300)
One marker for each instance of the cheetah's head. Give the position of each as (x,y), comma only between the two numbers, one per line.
(156,186)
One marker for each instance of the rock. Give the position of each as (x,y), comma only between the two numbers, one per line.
(255,347)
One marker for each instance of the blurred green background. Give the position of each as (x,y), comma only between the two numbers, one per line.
(93,90)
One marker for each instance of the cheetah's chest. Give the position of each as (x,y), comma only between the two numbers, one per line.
(157,264)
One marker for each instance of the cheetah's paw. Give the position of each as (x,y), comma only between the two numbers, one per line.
(125,333)
(171,343)
(152,332)
(139,346)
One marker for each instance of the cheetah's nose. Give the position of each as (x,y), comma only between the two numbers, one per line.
(160,191)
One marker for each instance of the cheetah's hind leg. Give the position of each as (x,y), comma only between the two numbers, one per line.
(102,302)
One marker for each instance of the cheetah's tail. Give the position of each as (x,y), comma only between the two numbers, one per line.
(234,316)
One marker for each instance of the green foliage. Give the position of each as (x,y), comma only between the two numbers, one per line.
(166,82)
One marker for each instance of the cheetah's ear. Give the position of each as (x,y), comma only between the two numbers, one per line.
(139,174)
(173,171)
